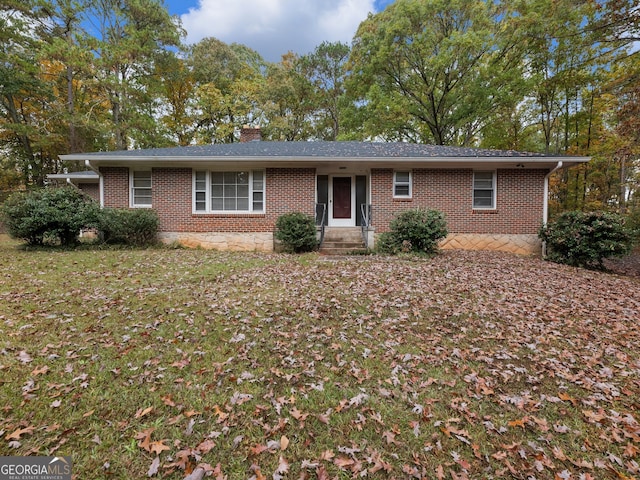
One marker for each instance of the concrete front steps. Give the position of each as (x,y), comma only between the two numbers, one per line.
(342,241)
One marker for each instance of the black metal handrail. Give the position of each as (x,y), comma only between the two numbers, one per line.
(365,211)
(321,213)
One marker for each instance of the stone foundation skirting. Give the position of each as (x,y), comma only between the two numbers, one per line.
(225,241)
(520,244)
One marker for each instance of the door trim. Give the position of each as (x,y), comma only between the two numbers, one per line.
(342,222)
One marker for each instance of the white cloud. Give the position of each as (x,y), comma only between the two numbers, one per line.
(274,27)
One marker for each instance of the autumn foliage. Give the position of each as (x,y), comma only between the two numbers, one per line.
(176,364)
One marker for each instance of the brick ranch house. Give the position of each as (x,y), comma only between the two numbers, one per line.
(229,196)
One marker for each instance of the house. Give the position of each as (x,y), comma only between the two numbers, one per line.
(88,181)
(229,196)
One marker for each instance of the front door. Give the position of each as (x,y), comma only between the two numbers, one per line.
(342,202)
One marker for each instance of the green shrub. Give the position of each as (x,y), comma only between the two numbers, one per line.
(49,215)
(586,239)
(297,232)
(136,227)
(416,230)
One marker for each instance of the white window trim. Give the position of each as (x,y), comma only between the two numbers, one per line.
(493,190)
(132,196)
(396,183)
(208,211)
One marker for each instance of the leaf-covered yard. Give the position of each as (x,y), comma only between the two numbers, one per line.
(168,363)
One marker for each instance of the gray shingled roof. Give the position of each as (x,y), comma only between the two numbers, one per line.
(310,149)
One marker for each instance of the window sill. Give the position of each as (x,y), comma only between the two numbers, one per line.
(228,215)
(485,211)
(402,199)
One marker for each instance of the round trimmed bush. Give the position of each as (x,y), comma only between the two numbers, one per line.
(417,230)
(49,215)
(585,239)
(136,227)
(297,232)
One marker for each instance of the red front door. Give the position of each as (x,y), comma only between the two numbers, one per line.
(341,197)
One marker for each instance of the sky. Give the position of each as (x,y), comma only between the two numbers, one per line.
(274,27)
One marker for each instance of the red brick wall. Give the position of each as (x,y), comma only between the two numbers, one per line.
(116,186)
(91,189)
(287,190)
(519,199)
(518,204)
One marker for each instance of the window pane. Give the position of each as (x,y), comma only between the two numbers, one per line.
(229,177)
(402,191)
(257,206)
(216,204)
(483,179)
(243,191)
(481,183)
(229,204)
(402,177)
(243,204)
(230,191)
(142,197)
(217,190)
(258,180)
(217,178)
(242,178)
(483,198)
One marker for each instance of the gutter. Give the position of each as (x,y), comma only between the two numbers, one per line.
(545,205)
(100,180)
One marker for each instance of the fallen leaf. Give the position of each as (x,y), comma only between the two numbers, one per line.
(142,412)
(519,422)
(283,465)
(40,370)
(343,462)
(24,357)
(144,438)
(258,449)
(284,442)
(158,447)
(206,446)
(18,433)
(153,469)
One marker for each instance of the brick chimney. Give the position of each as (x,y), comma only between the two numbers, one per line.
(250,134)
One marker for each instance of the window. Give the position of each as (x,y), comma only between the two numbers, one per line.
(241,191)
(402,184)
(141,188)
(484,190)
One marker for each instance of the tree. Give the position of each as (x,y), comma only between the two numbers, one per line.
(438,66)
(288,101)
(325,70)
(131,36)
(228,80)
(177,93)
(21,87)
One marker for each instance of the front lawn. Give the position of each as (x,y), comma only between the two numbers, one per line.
(468,365)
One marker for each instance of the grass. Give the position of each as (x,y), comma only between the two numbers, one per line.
(467,365)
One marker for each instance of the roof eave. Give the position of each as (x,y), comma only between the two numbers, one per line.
(291,161)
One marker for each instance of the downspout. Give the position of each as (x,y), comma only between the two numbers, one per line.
(545,204)
(100,179)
